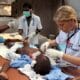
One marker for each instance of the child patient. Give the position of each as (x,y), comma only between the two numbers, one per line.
(14,47)
(42,65)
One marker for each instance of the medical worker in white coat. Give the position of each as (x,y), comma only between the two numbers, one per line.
(68,39)
(29,24)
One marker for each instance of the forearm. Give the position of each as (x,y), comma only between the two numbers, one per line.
(72,59)
(20,31)
(3,28)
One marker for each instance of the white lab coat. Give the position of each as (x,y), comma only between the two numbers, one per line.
(13,24)
(73,47)
(27,30)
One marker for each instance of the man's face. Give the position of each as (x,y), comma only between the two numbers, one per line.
(67,25)
(27,12)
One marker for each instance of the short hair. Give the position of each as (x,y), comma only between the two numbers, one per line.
(43,65)
(27,5)
(65,12)
(9,43)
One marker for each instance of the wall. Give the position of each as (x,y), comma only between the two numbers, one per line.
(75,4)
(45,9)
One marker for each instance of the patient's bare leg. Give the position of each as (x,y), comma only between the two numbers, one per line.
(3,75)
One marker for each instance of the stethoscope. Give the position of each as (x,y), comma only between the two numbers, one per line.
(69,37)
(33,24)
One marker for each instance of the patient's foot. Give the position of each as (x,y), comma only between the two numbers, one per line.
(3,76)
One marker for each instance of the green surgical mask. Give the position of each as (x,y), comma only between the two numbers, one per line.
(26,13)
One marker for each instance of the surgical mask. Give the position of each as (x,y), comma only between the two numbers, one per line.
(26,13)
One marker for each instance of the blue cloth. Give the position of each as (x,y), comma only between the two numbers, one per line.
(20,62)
(2,40)
(62,47)
(56,74)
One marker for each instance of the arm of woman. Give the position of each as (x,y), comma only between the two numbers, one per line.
(72,59)
(59,54)
(45,45)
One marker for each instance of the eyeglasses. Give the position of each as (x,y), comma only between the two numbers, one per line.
(68,20)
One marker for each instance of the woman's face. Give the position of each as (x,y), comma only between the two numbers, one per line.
(67,25)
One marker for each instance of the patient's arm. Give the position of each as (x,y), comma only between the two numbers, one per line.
(3,28)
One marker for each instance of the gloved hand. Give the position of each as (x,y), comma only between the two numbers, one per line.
(31,35)
(53,53)
(44,46)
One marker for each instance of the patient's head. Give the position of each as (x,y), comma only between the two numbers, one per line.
(26,49)
(9,43)
(42,65)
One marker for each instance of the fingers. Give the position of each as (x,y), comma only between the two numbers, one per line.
(44,46)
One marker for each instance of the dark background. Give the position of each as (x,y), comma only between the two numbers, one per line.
(45,9)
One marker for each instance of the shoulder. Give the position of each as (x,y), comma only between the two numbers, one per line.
(78,31)
(35,17)
(21,18)
(62,33)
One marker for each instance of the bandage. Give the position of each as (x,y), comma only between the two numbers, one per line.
(44,46)
(16,46)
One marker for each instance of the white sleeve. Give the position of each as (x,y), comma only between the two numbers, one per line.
(61,37)
(20,23)
(11,24)
(39,25)
(57,39)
